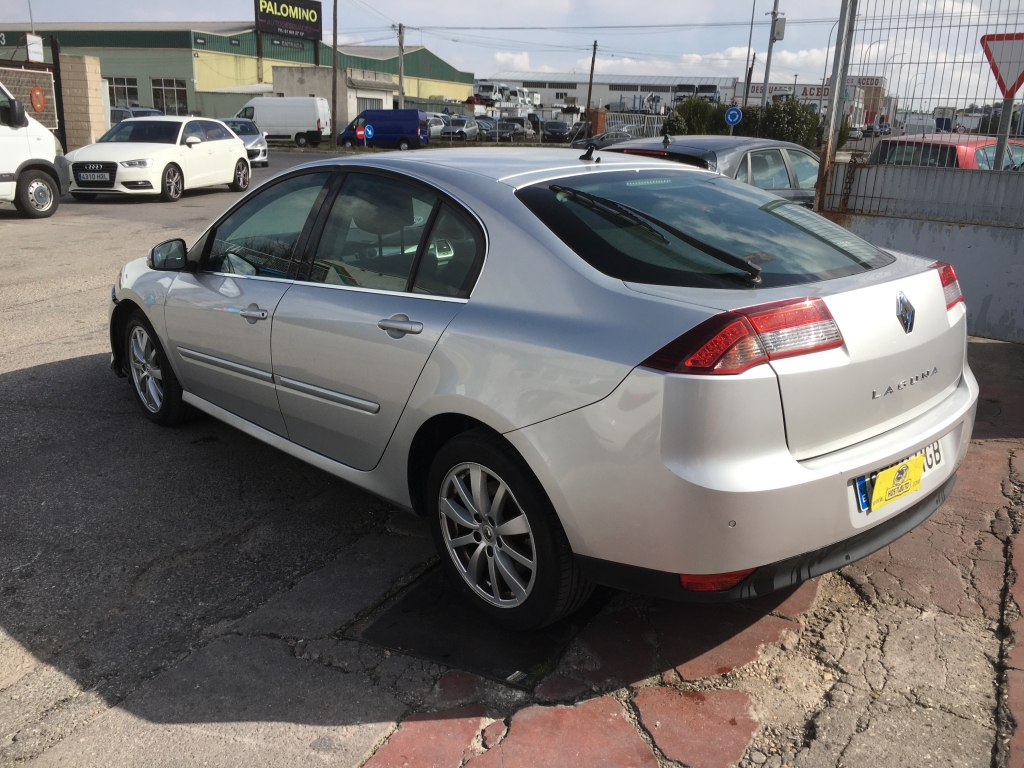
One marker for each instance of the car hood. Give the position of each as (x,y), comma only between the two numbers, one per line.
(117,151)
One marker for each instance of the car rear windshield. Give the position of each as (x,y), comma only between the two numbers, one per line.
(144,132)
(897,152)
(555,125)
(667,227)
(242,127)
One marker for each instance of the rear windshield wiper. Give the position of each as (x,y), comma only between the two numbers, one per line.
(644,221)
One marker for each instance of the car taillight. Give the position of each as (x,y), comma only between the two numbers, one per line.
(713,582)
(950,285)
(318,123)
(648,152)
(732,342)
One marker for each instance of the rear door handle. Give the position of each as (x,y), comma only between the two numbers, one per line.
(399,325)
(252,313)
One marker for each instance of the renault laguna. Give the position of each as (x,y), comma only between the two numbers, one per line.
(580,369)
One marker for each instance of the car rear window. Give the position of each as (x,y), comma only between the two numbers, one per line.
(144,131)
(897,152)
(666,227)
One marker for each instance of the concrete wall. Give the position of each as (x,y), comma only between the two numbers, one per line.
(352,84)
(989,263)
(83,89)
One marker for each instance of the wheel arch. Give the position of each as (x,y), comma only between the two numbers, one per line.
(38,164)
(118,320)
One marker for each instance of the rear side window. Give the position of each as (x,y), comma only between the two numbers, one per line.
(452,257)
(682,228)
(768,170)
(805,167)
(916,154)
(215,131)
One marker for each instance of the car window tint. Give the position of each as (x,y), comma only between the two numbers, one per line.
(451,260)
(372,233)
(193,128)
(768,170)
(247,113)
(693,219)
(742,172)
(805,167)
(260,237)
(983,157)
(215,131)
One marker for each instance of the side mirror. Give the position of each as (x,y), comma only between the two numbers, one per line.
(191,141)
(265,134)
(169,256)
(18,117)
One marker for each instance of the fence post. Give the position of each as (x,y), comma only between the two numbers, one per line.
(828,152)
(1005,120)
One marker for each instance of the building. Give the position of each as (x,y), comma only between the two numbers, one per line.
(211,68)
(618,93)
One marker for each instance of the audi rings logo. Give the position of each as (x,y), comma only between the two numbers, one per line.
(93,167)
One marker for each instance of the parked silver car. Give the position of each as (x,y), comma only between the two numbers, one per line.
(634,373)
(255,140)
(461,128)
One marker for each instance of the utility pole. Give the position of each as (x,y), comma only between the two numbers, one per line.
(1005,121)
(259,44)
(847,17)
(590,91)
(401,66)
(31,19)
(768,61)
(749,63)
(794,87)
(750,74)
(334,79)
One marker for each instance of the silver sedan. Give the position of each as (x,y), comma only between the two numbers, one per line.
(626,372)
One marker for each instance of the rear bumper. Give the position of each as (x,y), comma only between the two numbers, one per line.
(679,474)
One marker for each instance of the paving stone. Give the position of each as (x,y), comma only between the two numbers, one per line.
(791,603)
(432,740)
(595,734)
(620,642)
(1015,702)
(703,729)
(239,701)
(456,687)
(493,734)
(555,687)
(327,599)
(706,640)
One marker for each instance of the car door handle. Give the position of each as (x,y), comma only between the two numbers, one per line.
(399,325)
(253,313)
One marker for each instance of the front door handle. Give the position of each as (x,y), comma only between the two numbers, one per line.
(399,325)
(252,313)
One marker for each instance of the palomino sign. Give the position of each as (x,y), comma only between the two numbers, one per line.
(294,18)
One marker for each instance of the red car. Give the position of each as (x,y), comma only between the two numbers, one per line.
(946,150)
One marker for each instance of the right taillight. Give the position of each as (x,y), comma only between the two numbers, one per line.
(950,285)
(732,342)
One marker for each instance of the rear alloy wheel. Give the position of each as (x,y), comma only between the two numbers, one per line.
(403,144)
(240,182)
(172,184)
(301,140)
(498,536)
(156,389)
(37,196)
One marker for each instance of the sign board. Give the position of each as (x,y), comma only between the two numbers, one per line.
(369,131)
(292,18)
(733,115)
(34,44)
(1005,55)
(33,88)
(360,132)
(780,29)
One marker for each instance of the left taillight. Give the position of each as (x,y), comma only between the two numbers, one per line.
(318,124)
(950,285)
(732,342)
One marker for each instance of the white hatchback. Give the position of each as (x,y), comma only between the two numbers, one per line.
(159,156)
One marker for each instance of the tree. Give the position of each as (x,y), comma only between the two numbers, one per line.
(698,114)
(674,124)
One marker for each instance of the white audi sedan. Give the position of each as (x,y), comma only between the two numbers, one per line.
(628,372)
(159,156)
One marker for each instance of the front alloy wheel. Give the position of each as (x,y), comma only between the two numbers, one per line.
(153,381)
(240,182)
(146,373)
(172,184)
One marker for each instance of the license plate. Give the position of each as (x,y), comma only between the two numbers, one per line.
(894,482)
(94,177)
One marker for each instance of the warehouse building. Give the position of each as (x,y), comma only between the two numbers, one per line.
(211,68)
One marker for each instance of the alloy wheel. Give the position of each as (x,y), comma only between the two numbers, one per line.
(487,535)
(146,372)
(242,175)
(173,182)
(40,196)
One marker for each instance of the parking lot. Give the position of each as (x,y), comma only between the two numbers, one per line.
(191,596)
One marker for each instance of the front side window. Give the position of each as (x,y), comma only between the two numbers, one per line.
(124,91)
(806,169)
(247,113)
(170,96)
(768,170)
(260,237)
(372,234)
(144,132)
(193,128)
(215,131)
(242,127)
(667,227)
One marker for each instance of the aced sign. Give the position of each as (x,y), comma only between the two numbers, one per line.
(1005,54)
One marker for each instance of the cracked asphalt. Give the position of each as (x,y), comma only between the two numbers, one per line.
(189,596)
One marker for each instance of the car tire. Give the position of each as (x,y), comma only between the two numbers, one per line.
(84,196)
(37,195)
(240,179)
(530,596)
(301,140)
(403,145)
(172,183)
(348,144)
(159,396)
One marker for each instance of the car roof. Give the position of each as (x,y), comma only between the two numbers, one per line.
(704,143)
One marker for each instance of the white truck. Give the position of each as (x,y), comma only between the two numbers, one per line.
(33,171)
(302,119)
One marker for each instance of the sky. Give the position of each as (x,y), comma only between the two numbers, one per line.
(937,61)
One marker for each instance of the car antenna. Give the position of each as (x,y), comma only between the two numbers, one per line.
(589,154)
(666,141)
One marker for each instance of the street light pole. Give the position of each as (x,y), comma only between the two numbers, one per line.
(824,69)
(768,60)
(334,79)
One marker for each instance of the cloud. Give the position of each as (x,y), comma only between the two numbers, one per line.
(506,60)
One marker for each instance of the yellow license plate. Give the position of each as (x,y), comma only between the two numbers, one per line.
(896,482)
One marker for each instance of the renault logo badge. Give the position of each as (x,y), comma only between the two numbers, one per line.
(905,312)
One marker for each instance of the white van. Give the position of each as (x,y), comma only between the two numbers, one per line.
(302,119)
(33,171)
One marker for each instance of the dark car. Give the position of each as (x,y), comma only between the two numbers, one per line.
(117,114)
(486,123)
(555,131)
(601,140)
(506,132)
(788,170)
(401,128)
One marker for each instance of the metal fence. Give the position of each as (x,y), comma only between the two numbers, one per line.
(640,126)
(921,89)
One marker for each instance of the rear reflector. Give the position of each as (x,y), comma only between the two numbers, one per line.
(950,285)
(732,342)
(713,582)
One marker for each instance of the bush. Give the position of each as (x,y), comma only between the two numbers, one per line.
(698,114)
(787,120)
(674,124)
